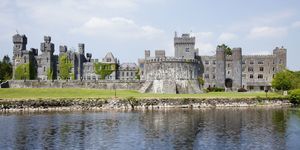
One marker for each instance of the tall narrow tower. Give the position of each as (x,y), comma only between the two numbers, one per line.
(185,46)
(220,67)
(237,68)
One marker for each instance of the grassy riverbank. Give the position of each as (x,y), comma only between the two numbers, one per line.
(31,93)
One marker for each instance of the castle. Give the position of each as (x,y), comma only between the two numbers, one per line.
(158,73)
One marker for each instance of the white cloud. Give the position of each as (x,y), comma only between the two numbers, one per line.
(116,27)
(296,24)
(203,35)
(267,32)
(206,48)
(226,37)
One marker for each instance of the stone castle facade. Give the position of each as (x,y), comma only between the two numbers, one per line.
(158,73)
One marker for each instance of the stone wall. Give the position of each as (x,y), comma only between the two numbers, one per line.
(124,85)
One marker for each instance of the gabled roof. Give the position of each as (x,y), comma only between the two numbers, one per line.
(109,58)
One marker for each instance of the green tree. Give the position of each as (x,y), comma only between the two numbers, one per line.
(283,80)
(5,69)
(201,81)
(228,50)
(49,74)
(137,74)
(22,72)
(65,66)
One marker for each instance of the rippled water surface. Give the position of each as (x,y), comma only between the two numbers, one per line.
(243,128)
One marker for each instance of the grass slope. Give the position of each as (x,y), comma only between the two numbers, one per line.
(19,93)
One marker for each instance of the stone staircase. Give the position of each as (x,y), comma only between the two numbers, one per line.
(145,87)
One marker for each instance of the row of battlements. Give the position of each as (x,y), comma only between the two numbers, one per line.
(169,59)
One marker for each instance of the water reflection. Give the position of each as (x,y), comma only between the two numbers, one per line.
(243,128)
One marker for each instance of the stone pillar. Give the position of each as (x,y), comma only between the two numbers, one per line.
(220,67)
(236,68)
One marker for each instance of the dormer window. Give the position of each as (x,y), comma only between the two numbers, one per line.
(108,60)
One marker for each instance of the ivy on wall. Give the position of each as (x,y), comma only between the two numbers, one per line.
(104,69)
(137,74)
(49,74)
(65,66)
(22,72)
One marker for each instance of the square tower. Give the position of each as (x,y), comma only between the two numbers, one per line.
(185,47)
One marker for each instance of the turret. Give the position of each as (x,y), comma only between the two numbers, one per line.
(20,42)
(63,49)
(185,46)
(237,68)
(47,46)
(147,54)
(280,58)
(220,66)
(81,48)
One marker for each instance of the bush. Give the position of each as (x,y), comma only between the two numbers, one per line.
(242,90)
(295,96)
(215,89)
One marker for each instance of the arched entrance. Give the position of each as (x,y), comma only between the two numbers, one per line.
(228,83)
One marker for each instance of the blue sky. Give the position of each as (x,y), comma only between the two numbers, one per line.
(128,27)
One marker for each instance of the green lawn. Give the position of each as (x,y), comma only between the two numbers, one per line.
(96,93)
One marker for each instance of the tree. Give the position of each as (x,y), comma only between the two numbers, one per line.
(283,80)
(227,49)
(5,69)
(65,66)
(201,81)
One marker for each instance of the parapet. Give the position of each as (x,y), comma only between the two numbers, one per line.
(160,54)
(147,53)
(63,48)
(81,48)
(47,39)
(17,38)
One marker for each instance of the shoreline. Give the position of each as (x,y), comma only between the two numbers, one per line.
(74,104)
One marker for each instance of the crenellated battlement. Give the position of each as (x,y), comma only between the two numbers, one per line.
(170,59)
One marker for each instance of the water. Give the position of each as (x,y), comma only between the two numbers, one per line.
(243,128)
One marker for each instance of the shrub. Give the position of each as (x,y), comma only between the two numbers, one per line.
(242,90)
(294,96)
(215,89)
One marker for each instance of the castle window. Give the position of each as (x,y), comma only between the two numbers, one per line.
(251,76)
(214,62)
(24,59)
(47,59)
(126,73)
(262,88)
(228,72)
(251,87)
(44,69)
(279,61)
(206,62)
(131,74)
(187,49)
(273,69)
(206,76)
(243,62)
(261,68)
(250,69)
(213,76)
(122,73)
(228,65)
(108,60)
(251,62)
(260,62)
(260,76)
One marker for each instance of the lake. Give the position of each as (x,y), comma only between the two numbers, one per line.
(212,128)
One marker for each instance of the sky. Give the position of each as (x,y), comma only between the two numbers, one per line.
(128,27)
